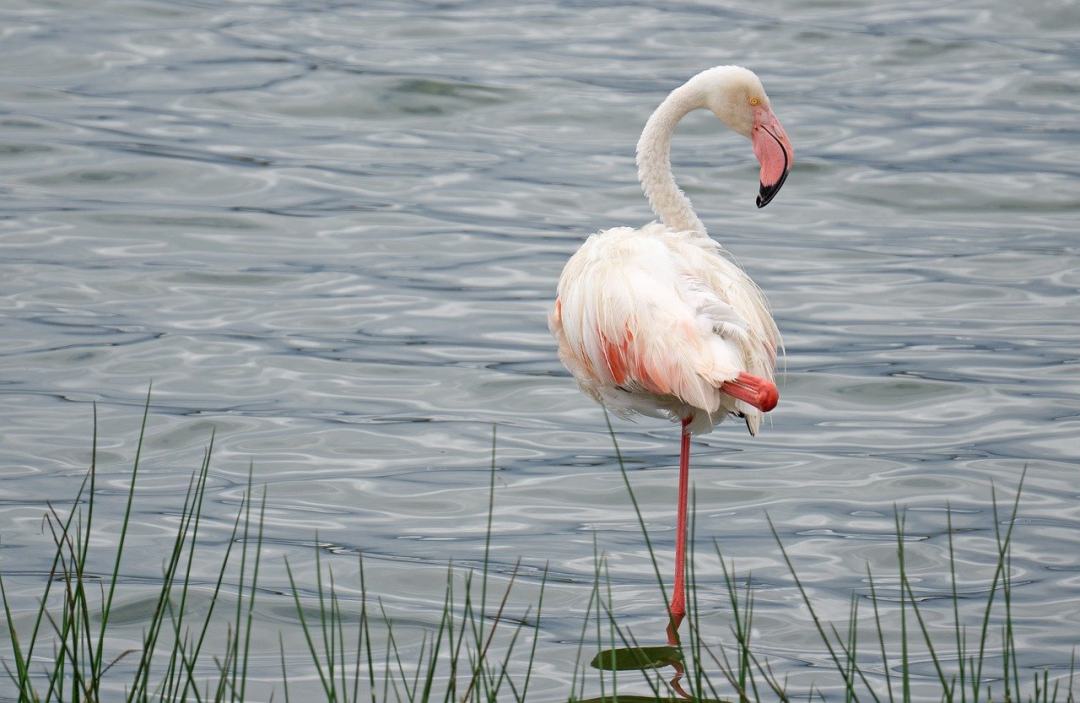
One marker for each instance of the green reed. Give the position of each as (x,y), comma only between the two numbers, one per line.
(475,651)
(81,666)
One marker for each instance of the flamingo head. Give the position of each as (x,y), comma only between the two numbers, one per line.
(736,96)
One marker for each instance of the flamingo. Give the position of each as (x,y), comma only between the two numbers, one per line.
(658,321)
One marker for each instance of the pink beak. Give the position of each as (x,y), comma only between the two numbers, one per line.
(773,151)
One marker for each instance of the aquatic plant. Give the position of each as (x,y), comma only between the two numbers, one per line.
(475,652)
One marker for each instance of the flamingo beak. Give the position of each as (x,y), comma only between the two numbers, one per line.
(773,151)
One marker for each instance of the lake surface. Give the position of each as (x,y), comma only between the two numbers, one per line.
(330,233)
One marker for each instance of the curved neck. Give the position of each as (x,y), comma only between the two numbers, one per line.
(654,161)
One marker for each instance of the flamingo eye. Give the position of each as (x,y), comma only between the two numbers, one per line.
(755,101)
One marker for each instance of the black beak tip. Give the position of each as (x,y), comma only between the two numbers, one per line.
(765,196)
(767,193)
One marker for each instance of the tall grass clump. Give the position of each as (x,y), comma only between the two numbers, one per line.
(74,614)
(469,655)
(482,644)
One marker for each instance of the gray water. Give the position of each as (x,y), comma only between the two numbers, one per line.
(330,232)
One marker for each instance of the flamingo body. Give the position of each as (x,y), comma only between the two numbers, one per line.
(655,321)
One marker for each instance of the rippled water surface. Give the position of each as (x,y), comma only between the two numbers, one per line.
(330,232)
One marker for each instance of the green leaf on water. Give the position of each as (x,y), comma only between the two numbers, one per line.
(627,658)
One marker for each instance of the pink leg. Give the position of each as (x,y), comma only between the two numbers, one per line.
(678,599)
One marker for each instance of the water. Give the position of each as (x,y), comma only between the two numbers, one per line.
(331,233)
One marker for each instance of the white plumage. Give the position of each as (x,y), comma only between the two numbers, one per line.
(654,321)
